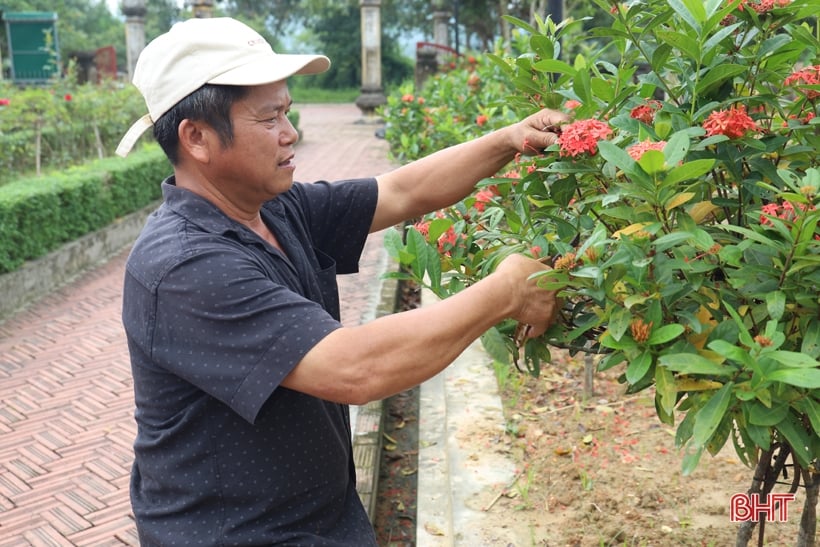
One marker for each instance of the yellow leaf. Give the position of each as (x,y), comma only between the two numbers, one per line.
(432,529)
(701,210)
(679,200)
(692,384)
(706,320)
(631,229)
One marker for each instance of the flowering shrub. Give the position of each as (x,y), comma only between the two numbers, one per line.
(679,212)
(62,124)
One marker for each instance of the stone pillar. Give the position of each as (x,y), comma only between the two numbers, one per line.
(441,27)
(134,11)
(372,92)
(202,9)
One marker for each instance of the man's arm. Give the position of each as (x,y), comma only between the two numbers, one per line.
(393,353)
(445,177)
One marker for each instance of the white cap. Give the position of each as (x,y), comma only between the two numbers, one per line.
(207,51)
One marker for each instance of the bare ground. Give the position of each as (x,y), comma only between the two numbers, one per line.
(603,470)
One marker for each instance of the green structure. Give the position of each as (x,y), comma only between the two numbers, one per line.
(32,46)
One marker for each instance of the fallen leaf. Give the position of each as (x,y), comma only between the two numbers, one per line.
(432,529)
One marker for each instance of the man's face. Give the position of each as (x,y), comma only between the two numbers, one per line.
(259,164)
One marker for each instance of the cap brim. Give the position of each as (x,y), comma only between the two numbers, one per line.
(264,71)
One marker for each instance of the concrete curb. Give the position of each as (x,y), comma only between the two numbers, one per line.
(461,473)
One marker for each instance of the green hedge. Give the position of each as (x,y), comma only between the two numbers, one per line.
(37,215)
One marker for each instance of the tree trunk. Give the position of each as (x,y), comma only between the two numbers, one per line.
(98,141)
(506,33)
(807,534)
(38,139)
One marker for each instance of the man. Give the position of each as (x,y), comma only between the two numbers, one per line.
(242,371)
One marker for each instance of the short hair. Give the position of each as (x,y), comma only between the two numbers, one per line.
(211,104)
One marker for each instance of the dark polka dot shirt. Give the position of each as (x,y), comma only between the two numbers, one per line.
(215,318)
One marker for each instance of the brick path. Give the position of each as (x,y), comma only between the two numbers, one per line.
(66,400)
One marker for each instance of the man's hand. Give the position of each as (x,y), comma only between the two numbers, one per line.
(538,131)
(532,305)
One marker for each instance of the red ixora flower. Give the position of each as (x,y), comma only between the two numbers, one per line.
(407,98)
(582,137)
(646,112)
(636,151)
(481,119)
(733,122)
(764,6)
(483,197)
(67,97)
(783,211)
(572,104)
(4,102)
(807,76)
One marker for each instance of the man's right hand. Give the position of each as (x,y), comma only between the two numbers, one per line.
(532,305)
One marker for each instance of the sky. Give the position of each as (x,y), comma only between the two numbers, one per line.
(114,5)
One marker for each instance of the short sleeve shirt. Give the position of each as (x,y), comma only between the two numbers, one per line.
(215,319)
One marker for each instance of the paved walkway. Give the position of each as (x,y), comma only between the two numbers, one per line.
(66,400)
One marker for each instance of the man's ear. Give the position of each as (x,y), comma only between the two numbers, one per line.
(196,140)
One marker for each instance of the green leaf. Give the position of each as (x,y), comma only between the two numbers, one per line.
(393,243)
(797,437)
(665,334)
(437,227)
(617,156)
(677,147)
(811,339)
(690,460)
(692,363)
(652,162)
(793,359)
(683,42)
(708,418)
(811,409)
(638,367)
(689,170)
(717,75)
(553,65)
(732,351)
(761,415)
(416,247)
(495,344)
(721,435)
(808,378)
(776,304)
(665,389)
(619,322)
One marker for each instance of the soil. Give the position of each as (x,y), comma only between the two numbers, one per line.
(598,470)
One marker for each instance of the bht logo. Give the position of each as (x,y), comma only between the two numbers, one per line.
(774,507)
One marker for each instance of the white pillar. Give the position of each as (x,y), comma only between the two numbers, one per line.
(372,92)
(134,11)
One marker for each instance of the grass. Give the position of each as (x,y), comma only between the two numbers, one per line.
(312,95)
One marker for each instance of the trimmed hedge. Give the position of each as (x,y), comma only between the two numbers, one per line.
(37,215)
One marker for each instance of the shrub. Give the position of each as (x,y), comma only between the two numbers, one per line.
(679,212)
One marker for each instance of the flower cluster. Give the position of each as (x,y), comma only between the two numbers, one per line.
(646,112)
(733,122)
(807,76)
(636,151)
(763,6)
(4,102)
(582,137)
(783,211)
